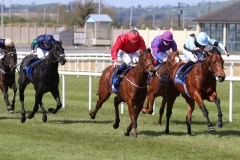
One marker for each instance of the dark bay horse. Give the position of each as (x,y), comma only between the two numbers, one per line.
(7,77)
(132,90)
(45,78)
(200,85)
(158,84)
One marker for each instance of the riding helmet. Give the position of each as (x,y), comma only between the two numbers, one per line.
(133,36)
(9,42)
(48,39)
(167,36)
(202,38)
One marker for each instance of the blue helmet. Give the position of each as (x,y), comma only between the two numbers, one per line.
(48,39)
(202,38)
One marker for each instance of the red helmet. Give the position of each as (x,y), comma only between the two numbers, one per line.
(167,36)
(133,36)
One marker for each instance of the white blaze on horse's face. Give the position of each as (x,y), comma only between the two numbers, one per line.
(177,59)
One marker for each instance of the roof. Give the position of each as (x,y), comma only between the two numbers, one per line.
(229,13)
(92,18)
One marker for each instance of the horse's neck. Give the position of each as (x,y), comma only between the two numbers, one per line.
(139,74)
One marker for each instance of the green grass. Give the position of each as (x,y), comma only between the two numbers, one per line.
(72,134)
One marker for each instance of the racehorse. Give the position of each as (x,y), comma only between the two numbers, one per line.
(7,77)
(132,90)
(45,78)
(158,84)
(200,85)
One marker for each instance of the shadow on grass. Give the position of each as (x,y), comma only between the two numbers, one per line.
(4,118)
(80,121)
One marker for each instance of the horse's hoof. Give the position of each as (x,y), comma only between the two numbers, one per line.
(166,131)
(44,118)
(92,115)
(211,129)
(115,126)
(23,119)
(126,134)
(30,115)
(10,109)
(219,124)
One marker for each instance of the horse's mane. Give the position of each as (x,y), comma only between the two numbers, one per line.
(212,49)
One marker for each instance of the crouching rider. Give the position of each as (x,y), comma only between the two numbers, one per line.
(192,49)
(127,44)
(6,44)
(40,48)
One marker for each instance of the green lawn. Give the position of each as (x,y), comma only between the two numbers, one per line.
(72,134)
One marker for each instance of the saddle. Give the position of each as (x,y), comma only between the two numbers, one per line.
(30,68)
(185,73)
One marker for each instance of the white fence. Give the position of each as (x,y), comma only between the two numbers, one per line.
(77,64)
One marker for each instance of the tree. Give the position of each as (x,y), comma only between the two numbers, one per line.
(81,9)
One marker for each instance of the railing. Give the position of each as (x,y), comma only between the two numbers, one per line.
(92,65)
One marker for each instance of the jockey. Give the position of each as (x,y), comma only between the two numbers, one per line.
(161,44)
(196,43)
(6,44)
(40,47)
(129,43)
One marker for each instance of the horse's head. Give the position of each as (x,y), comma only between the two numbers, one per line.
(9,60)
(58,52)
(215,62)
(172,59)
(146,60)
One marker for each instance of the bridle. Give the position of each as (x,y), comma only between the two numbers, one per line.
(57,52)
(5,64)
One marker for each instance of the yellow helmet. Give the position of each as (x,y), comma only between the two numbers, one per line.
(9,42)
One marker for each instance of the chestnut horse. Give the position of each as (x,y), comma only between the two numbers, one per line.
(200,85)
(132,90)
(158,84)
(7,77)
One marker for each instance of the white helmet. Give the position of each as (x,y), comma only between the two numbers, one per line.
(9,42)
(202,38)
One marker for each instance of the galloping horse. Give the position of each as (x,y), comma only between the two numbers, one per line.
(200,85)
(44,78)
(132,90)
(7,77)
(158,84)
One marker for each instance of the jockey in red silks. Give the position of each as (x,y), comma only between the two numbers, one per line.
(127,45)
(161,44)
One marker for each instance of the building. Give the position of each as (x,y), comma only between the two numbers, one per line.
(223,25)
(98,29)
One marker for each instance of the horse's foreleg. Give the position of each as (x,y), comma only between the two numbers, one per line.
(219,121)
(6,99)
(22,86)
(145,109)
(205,113)
(101,99)
(38,99)
(117,101)
(204,110)
(190,109)
(170,102)
(150,101)
(14,96)
(133,124)
(161,110)
(56,95)
(44,117)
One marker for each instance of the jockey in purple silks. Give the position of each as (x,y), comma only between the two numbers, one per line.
(161,44)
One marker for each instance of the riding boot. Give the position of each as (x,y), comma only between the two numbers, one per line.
(186,66)
(116,79)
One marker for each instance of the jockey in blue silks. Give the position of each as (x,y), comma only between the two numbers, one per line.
(40,47)
(196,44)
(161,44)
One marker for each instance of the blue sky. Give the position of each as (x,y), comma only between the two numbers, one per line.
(118,3)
